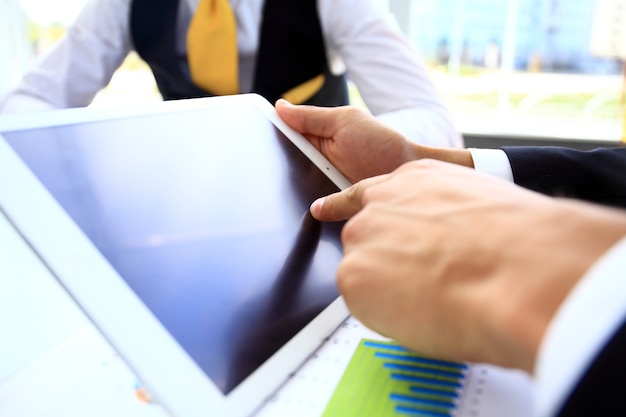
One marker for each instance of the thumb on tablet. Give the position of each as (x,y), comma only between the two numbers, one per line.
(344,204)
(315,123)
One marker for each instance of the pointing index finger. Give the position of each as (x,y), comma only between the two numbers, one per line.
(344,204)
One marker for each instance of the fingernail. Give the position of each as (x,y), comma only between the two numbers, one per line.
(316,206)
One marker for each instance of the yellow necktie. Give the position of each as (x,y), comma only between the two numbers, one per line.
(212,48)
(304,91)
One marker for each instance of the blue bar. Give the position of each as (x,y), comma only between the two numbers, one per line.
(420,360)
(377,345)
(421,369)
(420,413)
(420,390)
(425,401)
(429,381)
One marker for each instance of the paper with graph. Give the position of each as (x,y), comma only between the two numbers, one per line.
(360,373)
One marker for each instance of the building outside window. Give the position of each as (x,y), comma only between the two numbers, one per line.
(521,66)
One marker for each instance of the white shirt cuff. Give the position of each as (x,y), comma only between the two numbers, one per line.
(582,326)
(493,162)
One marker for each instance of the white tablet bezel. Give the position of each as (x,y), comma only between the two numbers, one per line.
(179,385)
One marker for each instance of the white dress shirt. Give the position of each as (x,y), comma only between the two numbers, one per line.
(359,38)
(564,355)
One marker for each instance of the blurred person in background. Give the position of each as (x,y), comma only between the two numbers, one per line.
(302,50)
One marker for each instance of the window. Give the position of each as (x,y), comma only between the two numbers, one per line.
(522,66)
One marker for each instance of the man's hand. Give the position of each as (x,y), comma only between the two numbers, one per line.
(461,265)
(357,143)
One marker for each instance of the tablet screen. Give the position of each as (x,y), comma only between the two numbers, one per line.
(205,215)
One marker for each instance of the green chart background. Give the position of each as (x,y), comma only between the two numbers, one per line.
(366,385)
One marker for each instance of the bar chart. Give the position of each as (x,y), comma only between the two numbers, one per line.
(358,372)
(398,382)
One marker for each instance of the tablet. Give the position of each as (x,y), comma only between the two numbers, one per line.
(182,230)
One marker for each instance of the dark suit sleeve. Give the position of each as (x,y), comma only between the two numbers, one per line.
(601,391)
(598,176)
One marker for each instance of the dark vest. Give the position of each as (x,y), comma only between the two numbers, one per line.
(291,51)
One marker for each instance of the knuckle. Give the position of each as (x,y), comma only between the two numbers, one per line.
(353,111)
(348,231)
(429,164)
(368,195)
(353,227)
(352,193)
(346,278)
